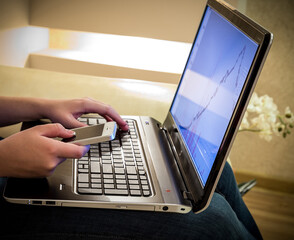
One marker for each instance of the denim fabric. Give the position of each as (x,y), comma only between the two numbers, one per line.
(227,217)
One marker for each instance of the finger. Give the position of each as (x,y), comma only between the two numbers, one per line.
(106,111)
(54,130)
(123,127)
(74,123)
(69,150)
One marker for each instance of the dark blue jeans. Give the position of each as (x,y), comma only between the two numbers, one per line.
(227,217)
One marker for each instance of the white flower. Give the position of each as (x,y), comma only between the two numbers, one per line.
(266,119)
(260,122)
(254,104)
(265,135)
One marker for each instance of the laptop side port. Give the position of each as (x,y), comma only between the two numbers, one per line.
(50,203)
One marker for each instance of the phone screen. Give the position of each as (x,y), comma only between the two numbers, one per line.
(86,132)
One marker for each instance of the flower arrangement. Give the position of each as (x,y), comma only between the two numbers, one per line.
(263,117)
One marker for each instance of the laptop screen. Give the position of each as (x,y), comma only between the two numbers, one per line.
(213,79)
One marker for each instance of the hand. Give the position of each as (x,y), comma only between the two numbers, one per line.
(34,152)
(66,112)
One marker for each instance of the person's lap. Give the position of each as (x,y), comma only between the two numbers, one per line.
(226,217)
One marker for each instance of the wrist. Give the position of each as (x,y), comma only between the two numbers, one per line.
(41,107)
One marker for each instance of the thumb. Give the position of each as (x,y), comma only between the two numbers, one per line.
(54,130)
(72,122)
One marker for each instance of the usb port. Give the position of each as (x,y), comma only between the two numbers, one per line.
(50,202)
(37,202)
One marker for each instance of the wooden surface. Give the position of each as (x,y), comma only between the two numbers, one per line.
(273,213)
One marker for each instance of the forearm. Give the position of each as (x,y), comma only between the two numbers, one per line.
(18,109)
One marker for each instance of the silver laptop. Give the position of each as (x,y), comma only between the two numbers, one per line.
(174,166)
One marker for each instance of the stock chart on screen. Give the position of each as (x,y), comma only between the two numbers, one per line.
(210,87)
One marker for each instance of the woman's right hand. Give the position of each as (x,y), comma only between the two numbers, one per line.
(35,153)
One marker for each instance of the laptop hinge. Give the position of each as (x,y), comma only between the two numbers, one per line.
(187,195)
(170,143)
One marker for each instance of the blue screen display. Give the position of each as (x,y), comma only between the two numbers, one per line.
(210,87)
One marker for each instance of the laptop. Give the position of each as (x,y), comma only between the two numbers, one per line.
(172,166)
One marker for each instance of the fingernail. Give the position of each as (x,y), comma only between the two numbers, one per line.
(86,149)
(73,133)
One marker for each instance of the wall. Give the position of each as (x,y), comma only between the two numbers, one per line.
(17,38)
(250,153)
(132,17)
(14,14)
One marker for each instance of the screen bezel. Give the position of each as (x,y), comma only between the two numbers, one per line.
(200,195)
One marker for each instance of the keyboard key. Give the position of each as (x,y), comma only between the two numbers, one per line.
(132,177)
(90,190)
(83,185)
(82,177)
(106,153)
(92,121)
(134,187)
(121,181)
(134,182)
(130,163)
(107,186)
(122,192)
(106,156)
(107,168)
(83,120)
(118,160)
(121,186)
(96,191)
(131,169)
(107,162)
(83,162)
(102,120)
(95,155)
(95,175)
(146,193)
(108,181)
(85,190)
(108,176)
(104,144)
(120,176)
(118,165)
(119,171)
(96,180)
(95,167)
(116,151)
(96,185)
(144,182)
(135,192)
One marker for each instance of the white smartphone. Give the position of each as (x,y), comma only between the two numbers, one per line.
(93,134)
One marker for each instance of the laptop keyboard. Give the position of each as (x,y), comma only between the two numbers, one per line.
(113,168)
